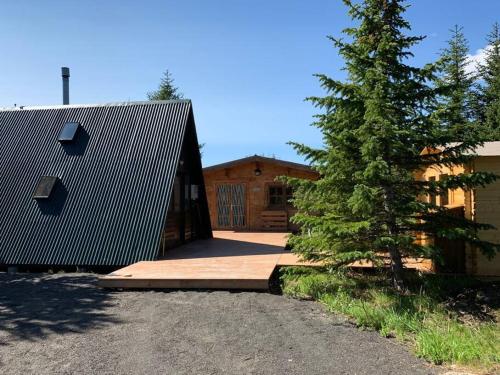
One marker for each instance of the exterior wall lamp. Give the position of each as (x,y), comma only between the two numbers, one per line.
(257,171)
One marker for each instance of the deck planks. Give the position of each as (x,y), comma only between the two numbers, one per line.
(231,260)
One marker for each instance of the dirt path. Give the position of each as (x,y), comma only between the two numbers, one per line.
(63,324)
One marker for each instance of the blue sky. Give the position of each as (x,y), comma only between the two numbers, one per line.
(246,65)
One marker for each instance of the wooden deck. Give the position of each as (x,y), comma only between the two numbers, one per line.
(231,260)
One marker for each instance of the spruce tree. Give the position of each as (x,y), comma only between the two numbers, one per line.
(455,84)
(489,88)
(375,125)
(166,90)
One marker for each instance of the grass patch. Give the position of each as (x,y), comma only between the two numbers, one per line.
(420,318)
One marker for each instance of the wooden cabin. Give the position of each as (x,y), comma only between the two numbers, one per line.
(243,194)
(481,205)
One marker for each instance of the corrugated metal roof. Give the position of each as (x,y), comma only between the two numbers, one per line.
(115,182)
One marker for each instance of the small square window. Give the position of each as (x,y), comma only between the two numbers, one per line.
(68,132)
(44,187)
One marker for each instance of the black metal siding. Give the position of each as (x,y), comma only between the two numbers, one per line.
(115,182)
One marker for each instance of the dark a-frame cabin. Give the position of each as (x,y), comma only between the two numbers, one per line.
(99,186)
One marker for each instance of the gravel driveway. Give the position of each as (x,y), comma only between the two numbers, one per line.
(64,324)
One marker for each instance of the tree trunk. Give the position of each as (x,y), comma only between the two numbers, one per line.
(397,270)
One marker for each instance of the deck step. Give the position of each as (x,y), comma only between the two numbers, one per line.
(165,283)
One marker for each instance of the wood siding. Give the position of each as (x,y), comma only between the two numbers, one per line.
(486,209)
(481,205)
(258,215)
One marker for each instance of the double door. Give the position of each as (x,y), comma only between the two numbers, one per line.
(231,207)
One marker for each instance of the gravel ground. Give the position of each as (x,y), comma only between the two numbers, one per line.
(64,324)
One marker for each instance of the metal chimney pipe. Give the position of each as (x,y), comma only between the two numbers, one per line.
(65,82)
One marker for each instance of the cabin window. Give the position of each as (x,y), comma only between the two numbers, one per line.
(187,193)
(68,132)
(432,196)
(279,196)
(44,187)
(175,204)
(195,189)
(276,196)
(444,196)
(289,195)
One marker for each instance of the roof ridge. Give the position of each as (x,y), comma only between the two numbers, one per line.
(254,157)
(107,104)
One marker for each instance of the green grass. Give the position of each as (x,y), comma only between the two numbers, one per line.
(418,318)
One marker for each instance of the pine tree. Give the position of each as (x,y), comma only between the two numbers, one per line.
(489,89)
(374,127)
(166,90)
(455,84)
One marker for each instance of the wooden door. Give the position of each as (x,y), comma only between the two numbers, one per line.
(452,251)
(231,207)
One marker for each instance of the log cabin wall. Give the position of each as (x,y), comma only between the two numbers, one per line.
(254,184)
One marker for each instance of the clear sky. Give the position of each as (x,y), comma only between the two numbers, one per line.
(246,65)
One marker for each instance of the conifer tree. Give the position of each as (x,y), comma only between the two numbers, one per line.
(489,89)
(375,125)
(455,84)
(166,90)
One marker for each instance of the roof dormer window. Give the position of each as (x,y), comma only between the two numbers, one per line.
(68,132)
(44,187)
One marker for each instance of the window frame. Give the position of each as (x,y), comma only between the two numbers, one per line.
(432,196)
(284,197)
(444,197)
